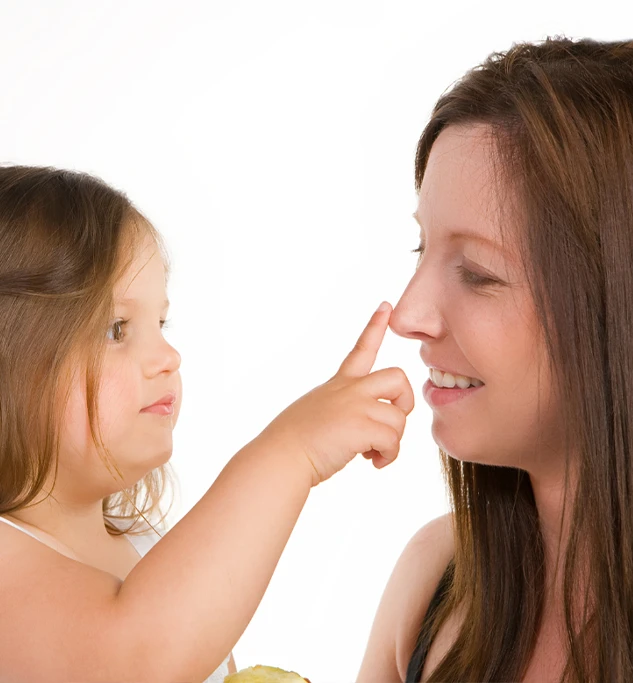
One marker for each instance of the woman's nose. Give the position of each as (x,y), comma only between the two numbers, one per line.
(418,314)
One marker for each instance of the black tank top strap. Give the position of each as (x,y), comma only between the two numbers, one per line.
(423,643)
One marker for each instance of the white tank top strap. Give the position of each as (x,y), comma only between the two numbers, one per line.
(15,526)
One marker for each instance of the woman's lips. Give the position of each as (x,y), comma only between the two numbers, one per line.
(436,396)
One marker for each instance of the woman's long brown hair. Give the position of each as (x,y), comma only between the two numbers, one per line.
(560,114)
(65,240)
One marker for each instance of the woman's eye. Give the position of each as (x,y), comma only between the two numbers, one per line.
(470,278)
(466,276)
(117,329)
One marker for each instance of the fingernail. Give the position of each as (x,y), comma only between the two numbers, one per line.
(384,306)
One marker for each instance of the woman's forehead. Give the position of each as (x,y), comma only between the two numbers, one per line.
(460,192)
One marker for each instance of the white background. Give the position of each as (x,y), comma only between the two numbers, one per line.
(272,144)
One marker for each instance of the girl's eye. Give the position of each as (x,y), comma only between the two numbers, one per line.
(117,328)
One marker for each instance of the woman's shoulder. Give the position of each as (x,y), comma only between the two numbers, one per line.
(419,571)
(436,535)
(405,601)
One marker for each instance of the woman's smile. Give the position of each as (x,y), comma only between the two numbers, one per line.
(444,387)
(438,396)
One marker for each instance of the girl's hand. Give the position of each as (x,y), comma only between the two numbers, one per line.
(345,416)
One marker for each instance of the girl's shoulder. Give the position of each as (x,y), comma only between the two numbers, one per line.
(405,601)
(48,599)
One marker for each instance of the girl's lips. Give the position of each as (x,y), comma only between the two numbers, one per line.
(436,397)
(160,409)
(166,401)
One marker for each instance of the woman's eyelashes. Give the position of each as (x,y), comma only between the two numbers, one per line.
(470,278)
(118,327)
(467,276)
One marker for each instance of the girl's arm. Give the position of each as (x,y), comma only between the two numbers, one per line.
(227,547)
(185,604)
(202,582)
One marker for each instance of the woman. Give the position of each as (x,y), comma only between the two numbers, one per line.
(523,293)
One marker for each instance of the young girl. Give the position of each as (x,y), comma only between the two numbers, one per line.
(89,395)
(522,303)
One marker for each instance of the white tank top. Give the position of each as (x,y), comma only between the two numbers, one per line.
(143,543)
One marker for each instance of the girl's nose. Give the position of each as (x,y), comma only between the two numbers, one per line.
(173,359)
(162,358)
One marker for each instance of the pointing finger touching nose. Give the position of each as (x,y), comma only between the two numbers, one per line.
(362,357)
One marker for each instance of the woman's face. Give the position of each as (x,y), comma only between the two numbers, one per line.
(140,367)
(469,306)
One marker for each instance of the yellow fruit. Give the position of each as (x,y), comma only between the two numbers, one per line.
(264,674)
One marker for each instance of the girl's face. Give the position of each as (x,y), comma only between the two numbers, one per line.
(469,306)
(140,368)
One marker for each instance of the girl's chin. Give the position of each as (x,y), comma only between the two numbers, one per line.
(135,471)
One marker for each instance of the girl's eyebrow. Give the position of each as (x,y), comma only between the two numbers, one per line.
(134,302)
(466,235)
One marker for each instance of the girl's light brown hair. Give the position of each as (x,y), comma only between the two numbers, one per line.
(560,116)
(65,240)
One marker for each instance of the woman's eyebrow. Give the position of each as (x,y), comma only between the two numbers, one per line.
(467,235)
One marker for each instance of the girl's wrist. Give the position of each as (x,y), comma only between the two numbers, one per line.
(294,466)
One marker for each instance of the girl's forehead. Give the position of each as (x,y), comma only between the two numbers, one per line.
(146,268)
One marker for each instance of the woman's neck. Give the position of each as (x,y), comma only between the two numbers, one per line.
(553,494)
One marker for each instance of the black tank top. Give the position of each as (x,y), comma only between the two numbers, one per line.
(423,643)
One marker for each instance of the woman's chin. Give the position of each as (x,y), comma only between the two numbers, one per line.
(460,451)
(474,457)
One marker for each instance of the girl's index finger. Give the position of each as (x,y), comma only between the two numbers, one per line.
(360,360)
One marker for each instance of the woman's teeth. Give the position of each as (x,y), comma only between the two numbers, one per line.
(447,381)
